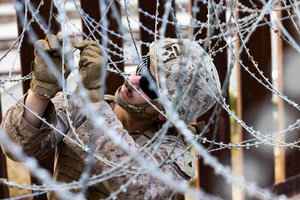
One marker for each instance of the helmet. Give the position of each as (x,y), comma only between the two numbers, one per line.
(191,79)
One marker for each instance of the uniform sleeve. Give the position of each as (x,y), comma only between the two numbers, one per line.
(36,142)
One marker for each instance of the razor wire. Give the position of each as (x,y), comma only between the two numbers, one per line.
(254,21)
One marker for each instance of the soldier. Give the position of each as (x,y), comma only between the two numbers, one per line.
(191,86)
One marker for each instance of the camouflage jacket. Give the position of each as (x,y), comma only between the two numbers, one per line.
(70,158)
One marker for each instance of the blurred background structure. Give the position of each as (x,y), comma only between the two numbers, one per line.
(254,45)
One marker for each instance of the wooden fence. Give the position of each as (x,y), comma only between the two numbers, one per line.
(252,96)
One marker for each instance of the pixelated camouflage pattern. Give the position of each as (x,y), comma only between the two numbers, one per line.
(69,159)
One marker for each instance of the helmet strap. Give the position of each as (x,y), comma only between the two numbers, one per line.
(140,110)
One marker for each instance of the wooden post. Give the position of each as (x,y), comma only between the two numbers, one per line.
(92,8)
(27,56)
(220,130)
(237,137)
(4,193)
(277,65)
(236,132)
(149,6)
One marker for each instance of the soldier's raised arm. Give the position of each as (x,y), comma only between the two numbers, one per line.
(20,121)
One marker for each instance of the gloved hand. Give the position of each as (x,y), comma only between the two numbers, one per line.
(45,79)
(90,68)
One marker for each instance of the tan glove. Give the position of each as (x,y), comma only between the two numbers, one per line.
(44,81)
(90,68)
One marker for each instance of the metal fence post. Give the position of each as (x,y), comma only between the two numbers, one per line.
(257,104)
(220,129)
(92,8)
(290,72)
(26,53)
(27,56)
(148,23)
(4,192)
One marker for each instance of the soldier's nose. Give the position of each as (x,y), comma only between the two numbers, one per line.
(134,79)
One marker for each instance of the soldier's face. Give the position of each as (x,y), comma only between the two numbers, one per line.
(133,95)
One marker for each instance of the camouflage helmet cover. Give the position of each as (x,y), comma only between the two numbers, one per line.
(191,77)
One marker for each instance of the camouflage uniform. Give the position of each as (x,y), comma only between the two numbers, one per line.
(69,158)
(189,72)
